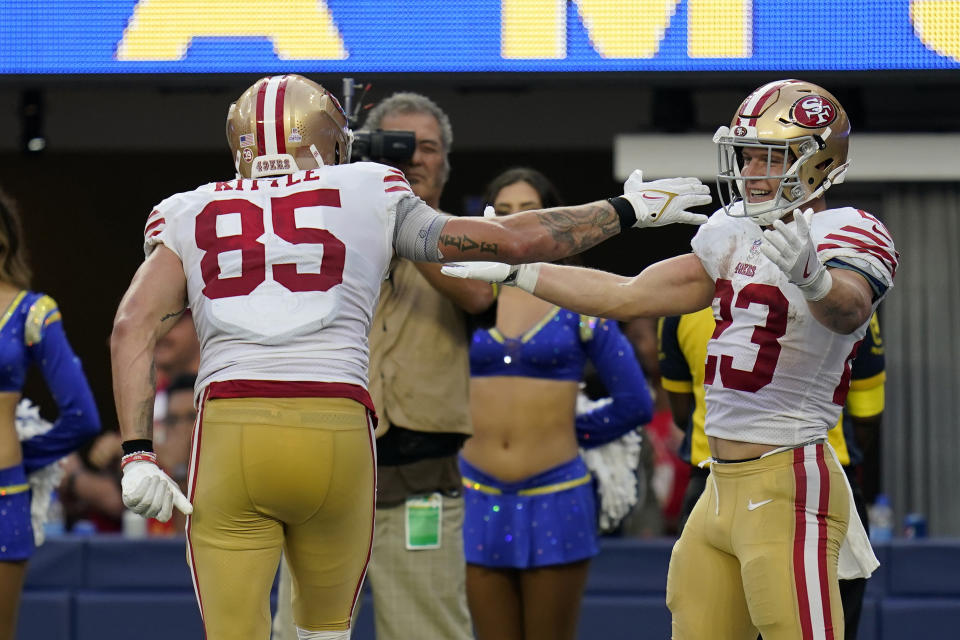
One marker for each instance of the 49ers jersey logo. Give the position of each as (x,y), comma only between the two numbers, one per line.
(813,112)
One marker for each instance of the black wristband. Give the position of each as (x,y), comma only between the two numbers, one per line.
(133,446)
(625,211)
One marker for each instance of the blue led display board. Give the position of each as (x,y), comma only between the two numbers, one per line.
(374,36)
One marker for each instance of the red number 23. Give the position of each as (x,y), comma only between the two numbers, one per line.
(766,336)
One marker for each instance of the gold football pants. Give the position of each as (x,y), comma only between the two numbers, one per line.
(296,474)
(760,550)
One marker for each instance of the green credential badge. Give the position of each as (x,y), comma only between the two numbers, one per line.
(423,522)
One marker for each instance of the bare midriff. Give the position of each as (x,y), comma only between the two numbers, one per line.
(522,426)
(723,449)
(9,442)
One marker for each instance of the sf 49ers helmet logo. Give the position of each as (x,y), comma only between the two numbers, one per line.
(740,131)
(813,112)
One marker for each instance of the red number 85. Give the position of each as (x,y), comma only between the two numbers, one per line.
(253,253)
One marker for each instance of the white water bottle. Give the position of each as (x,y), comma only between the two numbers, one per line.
(134,525)
(881,520)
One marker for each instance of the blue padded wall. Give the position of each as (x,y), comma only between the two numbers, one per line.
(102,587)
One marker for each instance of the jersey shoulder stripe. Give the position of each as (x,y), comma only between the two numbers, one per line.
(395,181)
(164,213)
(855,234)
(155,224)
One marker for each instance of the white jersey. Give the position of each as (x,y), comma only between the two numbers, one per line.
(774,374)
(283,274)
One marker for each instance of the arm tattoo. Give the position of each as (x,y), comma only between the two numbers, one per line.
(837,316)
(172,315)
(466,243)
(144,419)
(579,228)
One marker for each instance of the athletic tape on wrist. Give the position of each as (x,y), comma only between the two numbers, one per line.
(819,287)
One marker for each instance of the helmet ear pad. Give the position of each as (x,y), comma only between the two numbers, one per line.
(304,158)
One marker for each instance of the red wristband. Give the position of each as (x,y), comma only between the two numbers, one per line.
(138,456)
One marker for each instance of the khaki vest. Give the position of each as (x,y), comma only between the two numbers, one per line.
(419,358)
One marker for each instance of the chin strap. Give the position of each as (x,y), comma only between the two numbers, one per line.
(349,149)
(834,177)
(316,155)
(838,175)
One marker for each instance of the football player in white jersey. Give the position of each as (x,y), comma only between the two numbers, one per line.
(792,293)
(281,268)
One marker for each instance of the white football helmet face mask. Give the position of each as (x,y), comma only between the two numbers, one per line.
(801,131)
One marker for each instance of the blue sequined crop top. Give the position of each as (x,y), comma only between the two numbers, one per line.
(31,333)
(557,348)
(552,349)
(20,329)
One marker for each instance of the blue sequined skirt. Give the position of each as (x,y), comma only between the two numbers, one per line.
(547,519)
(16,529)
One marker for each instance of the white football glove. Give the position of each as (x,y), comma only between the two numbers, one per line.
(636,183)
(523,276)
(148,491)
(792,250)
(664,202)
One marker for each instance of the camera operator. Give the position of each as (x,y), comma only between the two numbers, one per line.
(388,147)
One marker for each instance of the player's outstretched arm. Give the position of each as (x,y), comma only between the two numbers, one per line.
(150,307)
(670,287)
(531,236)
(551,234)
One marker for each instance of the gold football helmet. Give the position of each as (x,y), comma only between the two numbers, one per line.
(802,121)
(283,124)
